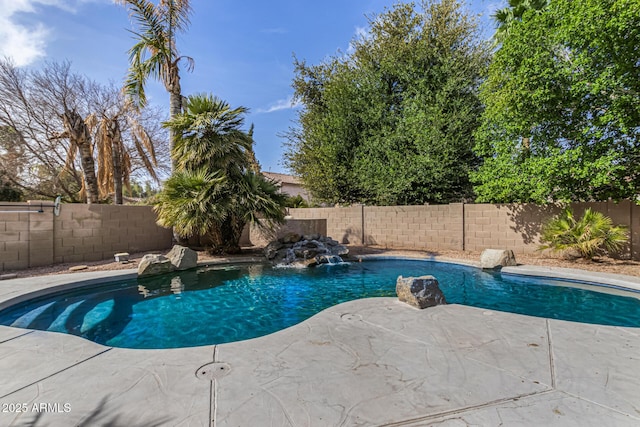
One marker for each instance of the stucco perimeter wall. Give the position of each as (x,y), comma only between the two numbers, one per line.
(457,226)
(80,233)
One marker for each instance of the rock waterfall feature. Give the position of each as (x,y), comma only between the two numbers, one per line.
(294,250)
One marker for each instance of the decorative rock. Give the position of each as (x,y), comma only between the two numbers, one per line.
(183,258)
(78,268)
(328,259)
(8,276)
(272,249)
(295,251)
(305,263)
(151,265)
(338,250)
(122,257)
(291,238)
(420,292)
(497,258)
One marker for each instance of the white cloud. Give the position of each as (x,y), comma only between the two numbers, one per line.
(281,104)
(25,43)
(360,34)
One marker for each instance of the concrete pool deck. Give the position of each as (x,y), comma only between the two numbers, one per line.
(371,362)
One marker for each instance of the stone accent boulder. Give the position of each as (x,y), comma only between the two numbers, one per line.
(183,258)
(491,259)
(420,292)
(291,238)
(272,249)
(152,265)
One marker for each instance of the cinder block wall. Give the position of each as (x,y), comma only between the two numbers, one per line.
(510,226)
(517,226)
(26,235)
(254,235)
(343,224)
(470,227)
(96,232)
(14,241)
(80,233)
(415,227)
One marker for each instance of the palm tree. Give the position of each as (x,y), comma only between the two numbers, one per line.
(213,191)
(588,235)
(155,53)
(506,17)
(114,160)
(77,131)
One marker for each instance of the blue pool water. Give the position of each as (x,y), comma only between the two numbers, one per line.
(232,303)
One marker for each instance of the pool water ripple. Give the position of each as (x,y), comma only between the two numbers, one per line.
(224,304)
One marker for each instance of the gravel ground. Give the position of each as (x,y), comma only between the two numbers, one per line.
(603,264)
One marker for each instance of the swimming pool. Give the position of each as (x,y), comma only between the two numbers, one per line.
(236,302)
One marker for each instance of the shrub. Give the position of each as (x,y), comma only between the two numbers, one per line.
(296,202)
(590,235)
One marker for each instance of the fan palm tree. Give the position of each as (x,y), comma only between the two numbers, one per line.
(213,191)
(155,54)
(506,17)
(589,235)
(209,134)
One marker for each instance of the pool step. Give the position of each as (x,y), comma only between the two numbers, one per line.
(27,319)
(81,316)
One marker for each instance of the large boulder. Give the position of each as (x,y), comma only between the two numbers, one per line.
(152,265)
(183,258)
(491,259)
(420,292)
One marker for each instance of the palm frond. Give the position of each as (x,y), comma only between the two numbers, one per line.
(178,12)
(593,233)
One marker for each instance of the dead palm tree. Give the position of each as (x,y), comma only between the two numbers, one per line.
(155,53)
(114,160)
(76,130)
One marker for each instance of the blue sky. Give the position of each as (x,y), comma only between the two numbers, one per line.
(243,50)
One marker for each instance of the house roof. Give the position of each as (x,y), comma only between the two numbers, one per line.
(282,178)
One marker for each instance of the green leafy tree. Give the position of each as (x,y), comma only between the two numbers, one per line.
(155,54)
(562,116)
(213,191)
(590,235)
(392,121)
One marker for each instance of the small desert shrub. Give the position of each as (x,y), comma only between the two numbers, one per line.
(590,235)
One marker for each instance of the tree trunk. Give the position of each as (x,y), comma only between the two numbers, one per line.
(79,135)
(116,158)
(175,108)
(225,237)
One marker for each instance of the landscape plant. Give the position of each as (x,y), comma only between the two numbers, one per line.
(562,106)
(590,235)
(155,53)
(59,131)
(214,192)
(392,120)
